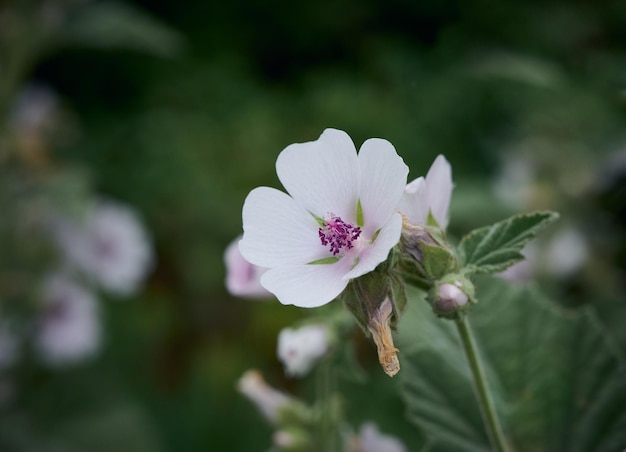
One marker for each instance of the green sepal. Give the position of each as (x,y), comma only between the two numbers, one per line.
(364,295)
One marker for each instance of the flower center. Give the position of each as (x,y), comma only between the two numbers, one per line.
(337,234)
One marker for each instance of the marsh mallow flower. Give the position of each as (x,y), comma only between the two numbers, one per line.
(337,222)
(299,349)
(68,328)
(243,279)
(109,244)
(429,195)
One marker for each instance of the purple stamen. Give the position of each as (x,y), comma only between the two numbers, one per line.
(337,233)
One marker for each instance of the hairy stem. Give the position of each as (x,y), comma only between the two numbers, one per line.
(485,401)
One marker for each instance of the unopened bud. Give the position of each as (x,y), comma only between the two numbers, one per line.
(380,328)
(449,297)
(267,399)
(425,252)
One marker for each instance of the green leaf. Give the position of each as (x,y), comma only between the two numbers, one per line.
(112,24)
(492,249)
(558,383)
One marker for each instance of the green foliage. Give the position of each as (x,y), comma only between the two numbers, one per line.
(557,381)
(113,24)
(492,249)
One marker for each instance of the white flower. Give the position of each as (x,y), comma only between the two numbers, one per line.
(69,327)
(371,440)
(429,195)
(243,279)
(299,349)
(110,245)
(268,400)
(338,222)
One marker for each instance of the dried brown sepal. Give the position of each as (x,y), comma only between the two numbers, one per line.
(380,328)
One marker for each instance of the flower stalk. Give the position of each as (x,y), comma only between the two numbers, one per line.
(485,401)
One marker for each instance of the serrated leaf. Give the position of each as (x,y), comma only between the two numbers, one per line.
(492,249)
(112,24)
(557,382)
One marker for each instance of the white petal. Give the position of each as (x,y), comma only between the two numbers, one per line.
(307,286)
(278,231)
(378,251)
(439,186)
(383,178)
(414,203)
(322,175)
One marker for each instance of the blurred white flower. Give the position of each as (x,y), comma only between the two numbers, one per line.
(299,349)
(35,111)
(110,245)
(268,400)
(243,279)
(566,252)
(514,183)
(371,440)
(338,222)
(68,329)
(429,195)
(522,271)
(561,255)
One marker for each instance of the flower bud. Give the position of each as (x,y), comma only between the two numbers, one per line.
(449,296)
(268,400)
(425,253)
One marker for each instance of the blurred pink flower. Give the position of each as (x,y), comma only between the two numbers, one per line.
(109,244)
(68,328)
(243,279)
(338,222)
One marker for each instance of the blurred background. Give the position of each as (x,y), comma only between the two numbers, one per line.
(155,119)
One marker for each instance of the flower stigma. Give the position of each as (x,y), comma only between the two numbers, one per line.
(337,234)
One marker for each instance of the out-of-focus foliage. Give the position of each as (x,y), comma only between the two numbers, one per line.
(178,109)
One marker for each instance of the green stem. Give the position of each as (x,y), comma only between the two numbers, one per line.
(485,401)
